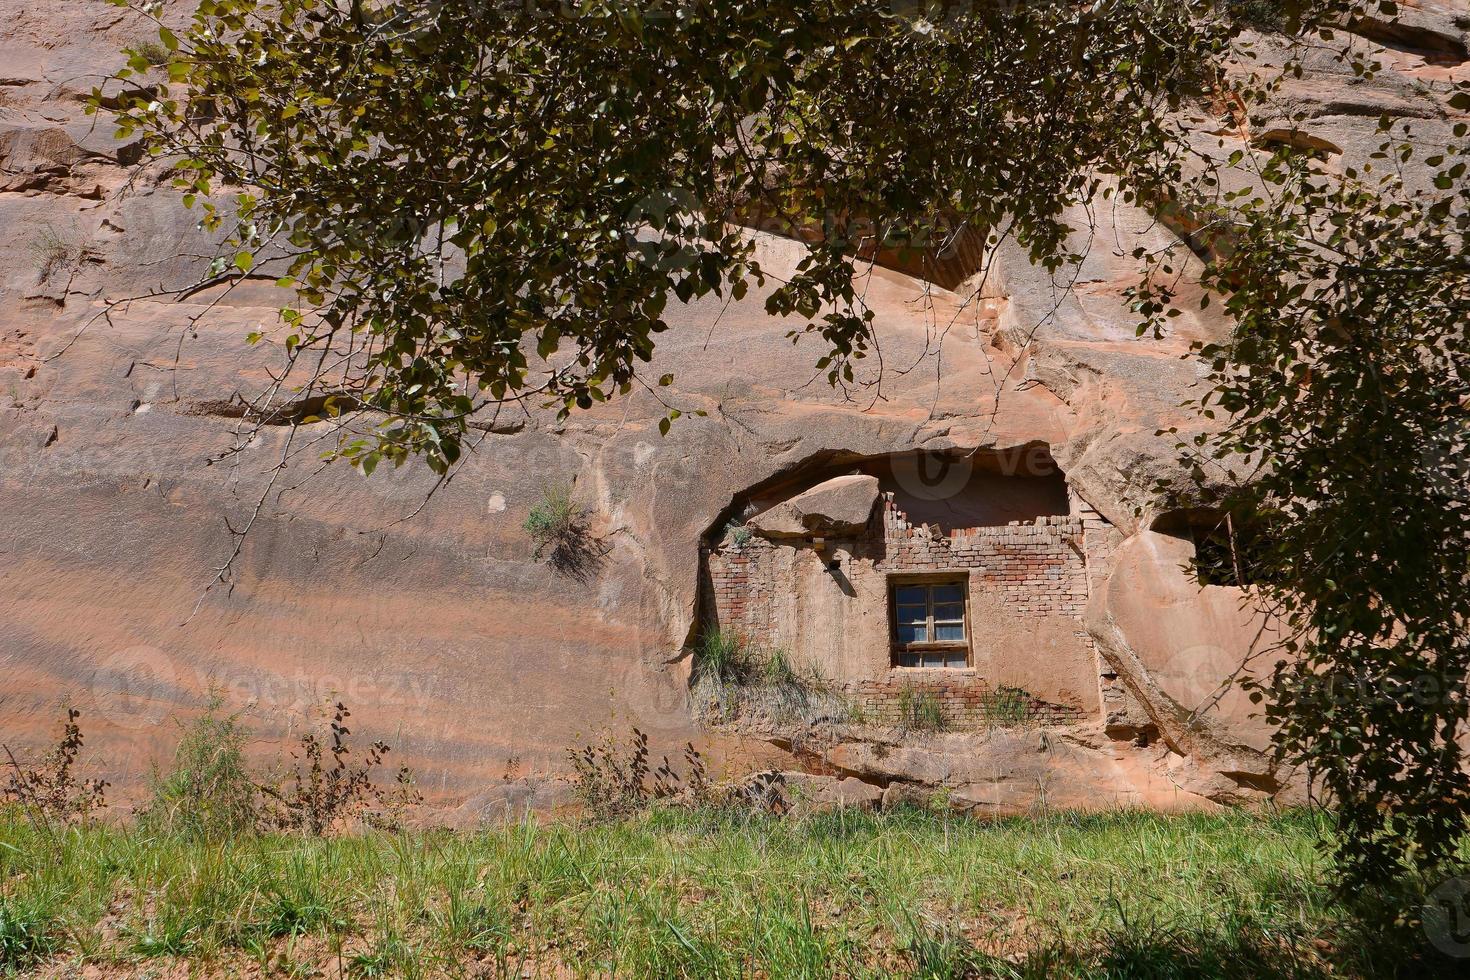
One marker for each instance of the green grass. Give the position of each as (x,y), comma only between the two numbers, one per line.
(698,894)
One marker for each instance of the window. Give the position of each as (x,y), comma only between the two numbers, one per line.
(929,624)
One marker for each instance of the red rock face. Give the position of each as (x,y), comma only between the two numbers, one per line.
(442,632)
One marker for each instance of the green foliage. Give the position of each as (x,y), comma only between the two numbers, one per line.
(28,932)
(777,669)
(738,534)
(1347,374)
(1006,706)
(920,711)
(720,893)
(555,522)
(733,680)
(488,201)
(153,53)
(210,791)
(721,655)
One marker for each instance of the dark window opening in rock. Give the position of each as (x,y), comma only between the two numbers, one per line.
(974,489)
(930,622)
(1228,552)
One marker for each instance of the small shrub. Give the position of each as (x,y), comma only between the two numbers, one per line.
(738,534)
(328,792)
(153,52)
(612,780)
(561,534)
(210,793)
(554,519)
(920,711)
(50,790)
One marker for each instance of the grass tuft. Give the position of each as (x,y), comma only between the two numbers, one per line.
(28,933)
(920,711)
(709,892)
(210,793)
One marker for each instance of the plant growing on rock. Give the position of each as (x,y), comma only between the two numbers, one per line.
(55,254)
(563,538)
(738,534)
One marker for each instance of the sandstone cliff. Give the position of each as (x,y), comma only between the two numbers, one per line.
(435,623)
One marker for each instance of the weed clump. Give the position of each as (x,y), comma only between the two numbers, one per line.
(55,254)
(50,790)
(560,531)
(733,679)
(612,780)
(921,712)
(28,934)
(738,534)
(1007,706)
(210,792)
(328,791)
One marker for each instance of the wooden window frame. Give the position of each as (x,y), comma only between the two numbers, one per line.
(929,581)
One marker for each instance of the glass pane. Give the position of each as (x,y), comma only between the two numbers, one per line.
(912,614)
(949,631)
(909,594)
(955,659)
(949,593)
(955,613)
(908,659)
(934,659)
(912,634)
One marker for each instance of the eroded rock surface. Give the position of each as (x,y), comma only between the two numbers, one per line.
(841,505)
(119,486)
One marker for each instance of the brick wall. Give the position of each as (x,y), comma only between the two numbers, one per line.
(1025,573)
(1039,568)
(965,700)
